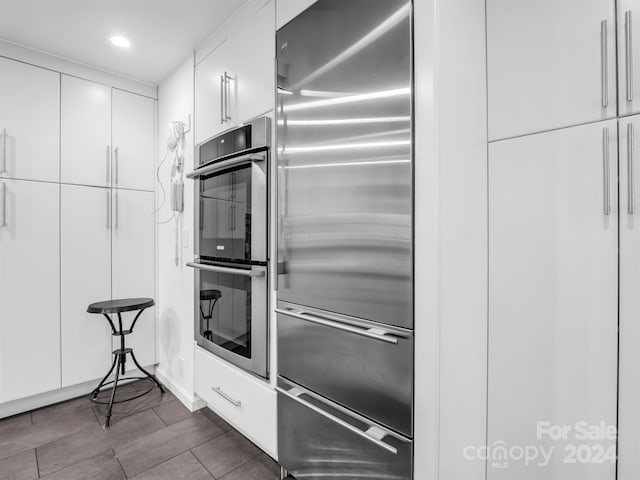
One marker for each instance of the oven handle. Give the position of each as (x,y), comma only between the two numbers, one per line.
(254,272)
(250,157)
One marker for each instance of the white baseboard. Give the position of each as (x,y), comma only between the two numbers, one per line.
(189,399)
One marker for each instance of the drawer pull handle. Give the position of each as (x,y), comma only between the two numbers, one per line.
(373,433)
(232,401)
(374,333)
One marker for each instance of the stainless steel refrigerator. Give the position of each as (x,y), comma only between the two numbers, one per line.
(345,241)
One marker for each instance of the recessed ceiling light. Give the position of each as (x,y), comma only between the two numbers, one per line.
(120,41)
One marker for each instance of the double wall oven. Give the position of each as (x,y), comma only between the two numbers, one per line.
(231,245)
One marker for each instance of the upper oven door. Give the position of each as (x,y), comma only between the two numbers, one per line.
(232,210)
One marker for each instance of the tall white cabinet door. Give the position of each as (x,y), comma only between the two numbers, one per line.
(553,300)
(85,278)
(29,288)
(133,140)
(628,56)
(29,122)
(133,266)
(85,150)
(629,388)
(252,67)
(209,91)
(551,64)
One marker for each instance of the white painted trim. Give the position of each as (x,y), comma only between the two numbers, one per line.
(50,61)
(189,399)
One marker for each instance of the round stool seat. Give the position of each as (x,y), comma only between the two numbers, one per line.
(121,305)
(210,294)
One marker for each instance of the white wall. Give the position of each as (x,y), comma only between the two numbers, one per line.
(175,353)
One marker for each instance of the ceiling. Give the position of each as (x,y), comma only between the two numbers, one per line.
(162,32)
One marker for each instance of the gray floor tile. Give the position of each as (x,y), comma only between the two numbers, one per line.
(103,466)
(219,421)
(260,468)
(20,467)
(182,467)
(140,455)
(47,429)
(172,412)
(11,425)
(226,453)
(120,410)
(69,450)
(68,408)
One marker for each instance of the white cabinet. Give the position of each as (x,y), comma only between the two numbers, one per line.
(629,388)
(287,10)
(247,403)
(551,64)
(553,296)
(133,268)
(85,150)
(29,122)
(85,261)
(29,288)
(235,82)
(628,57)
(133,141)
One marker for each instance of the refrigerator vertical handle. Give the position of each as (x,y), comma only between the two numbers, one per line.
(604,63)
(631,208)
(606,171)
(628,42)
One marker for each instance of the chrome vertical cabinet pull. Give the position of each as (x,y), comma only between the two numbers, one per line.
(222,92)
(606,171)
(116,162)
(4,205)
(628,43)
(631,208)
(115,220)
(4,151)
(604,56)
(108,210)
(227,94)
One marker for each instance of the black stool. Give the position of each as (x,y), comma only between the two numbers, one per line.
(120,355)
(212,296)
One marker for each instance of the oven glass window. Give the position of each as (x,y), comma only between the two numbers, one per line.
(225,215)
(225,311)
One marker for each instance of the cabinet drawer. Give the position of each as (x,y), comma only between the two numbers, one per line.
(245,402)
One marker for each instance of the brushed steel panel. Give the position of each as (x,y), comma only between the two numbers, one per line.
(370,376)
(312,446)
(345,159)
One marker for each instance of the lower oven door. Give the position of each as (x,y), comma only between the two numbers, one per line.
(318,439)
(231,314)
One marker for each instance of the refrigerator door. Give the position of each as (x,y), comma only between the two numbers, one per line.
(358,364)
(318,439)
(345,160)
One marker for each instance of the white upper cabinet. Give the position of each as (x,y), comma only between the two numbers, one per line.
(133,141)
(629,388)
(551,64)
(85,132)
(628,57)
(29,288)
(287,10)
(235,82)
(553,296)
(133,273)
(85,261)
(29,122)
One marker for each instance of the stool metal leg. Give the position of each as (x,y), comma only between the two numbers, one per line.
(152,377)
(96,391)
(113,392)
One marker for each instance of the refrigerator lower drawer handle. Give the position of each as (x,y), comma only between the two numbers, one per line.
(376,334)
(254,272)
(235,403)
(371,434)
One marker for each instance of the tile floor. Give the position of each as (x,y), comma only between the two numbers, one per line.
(151,438)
